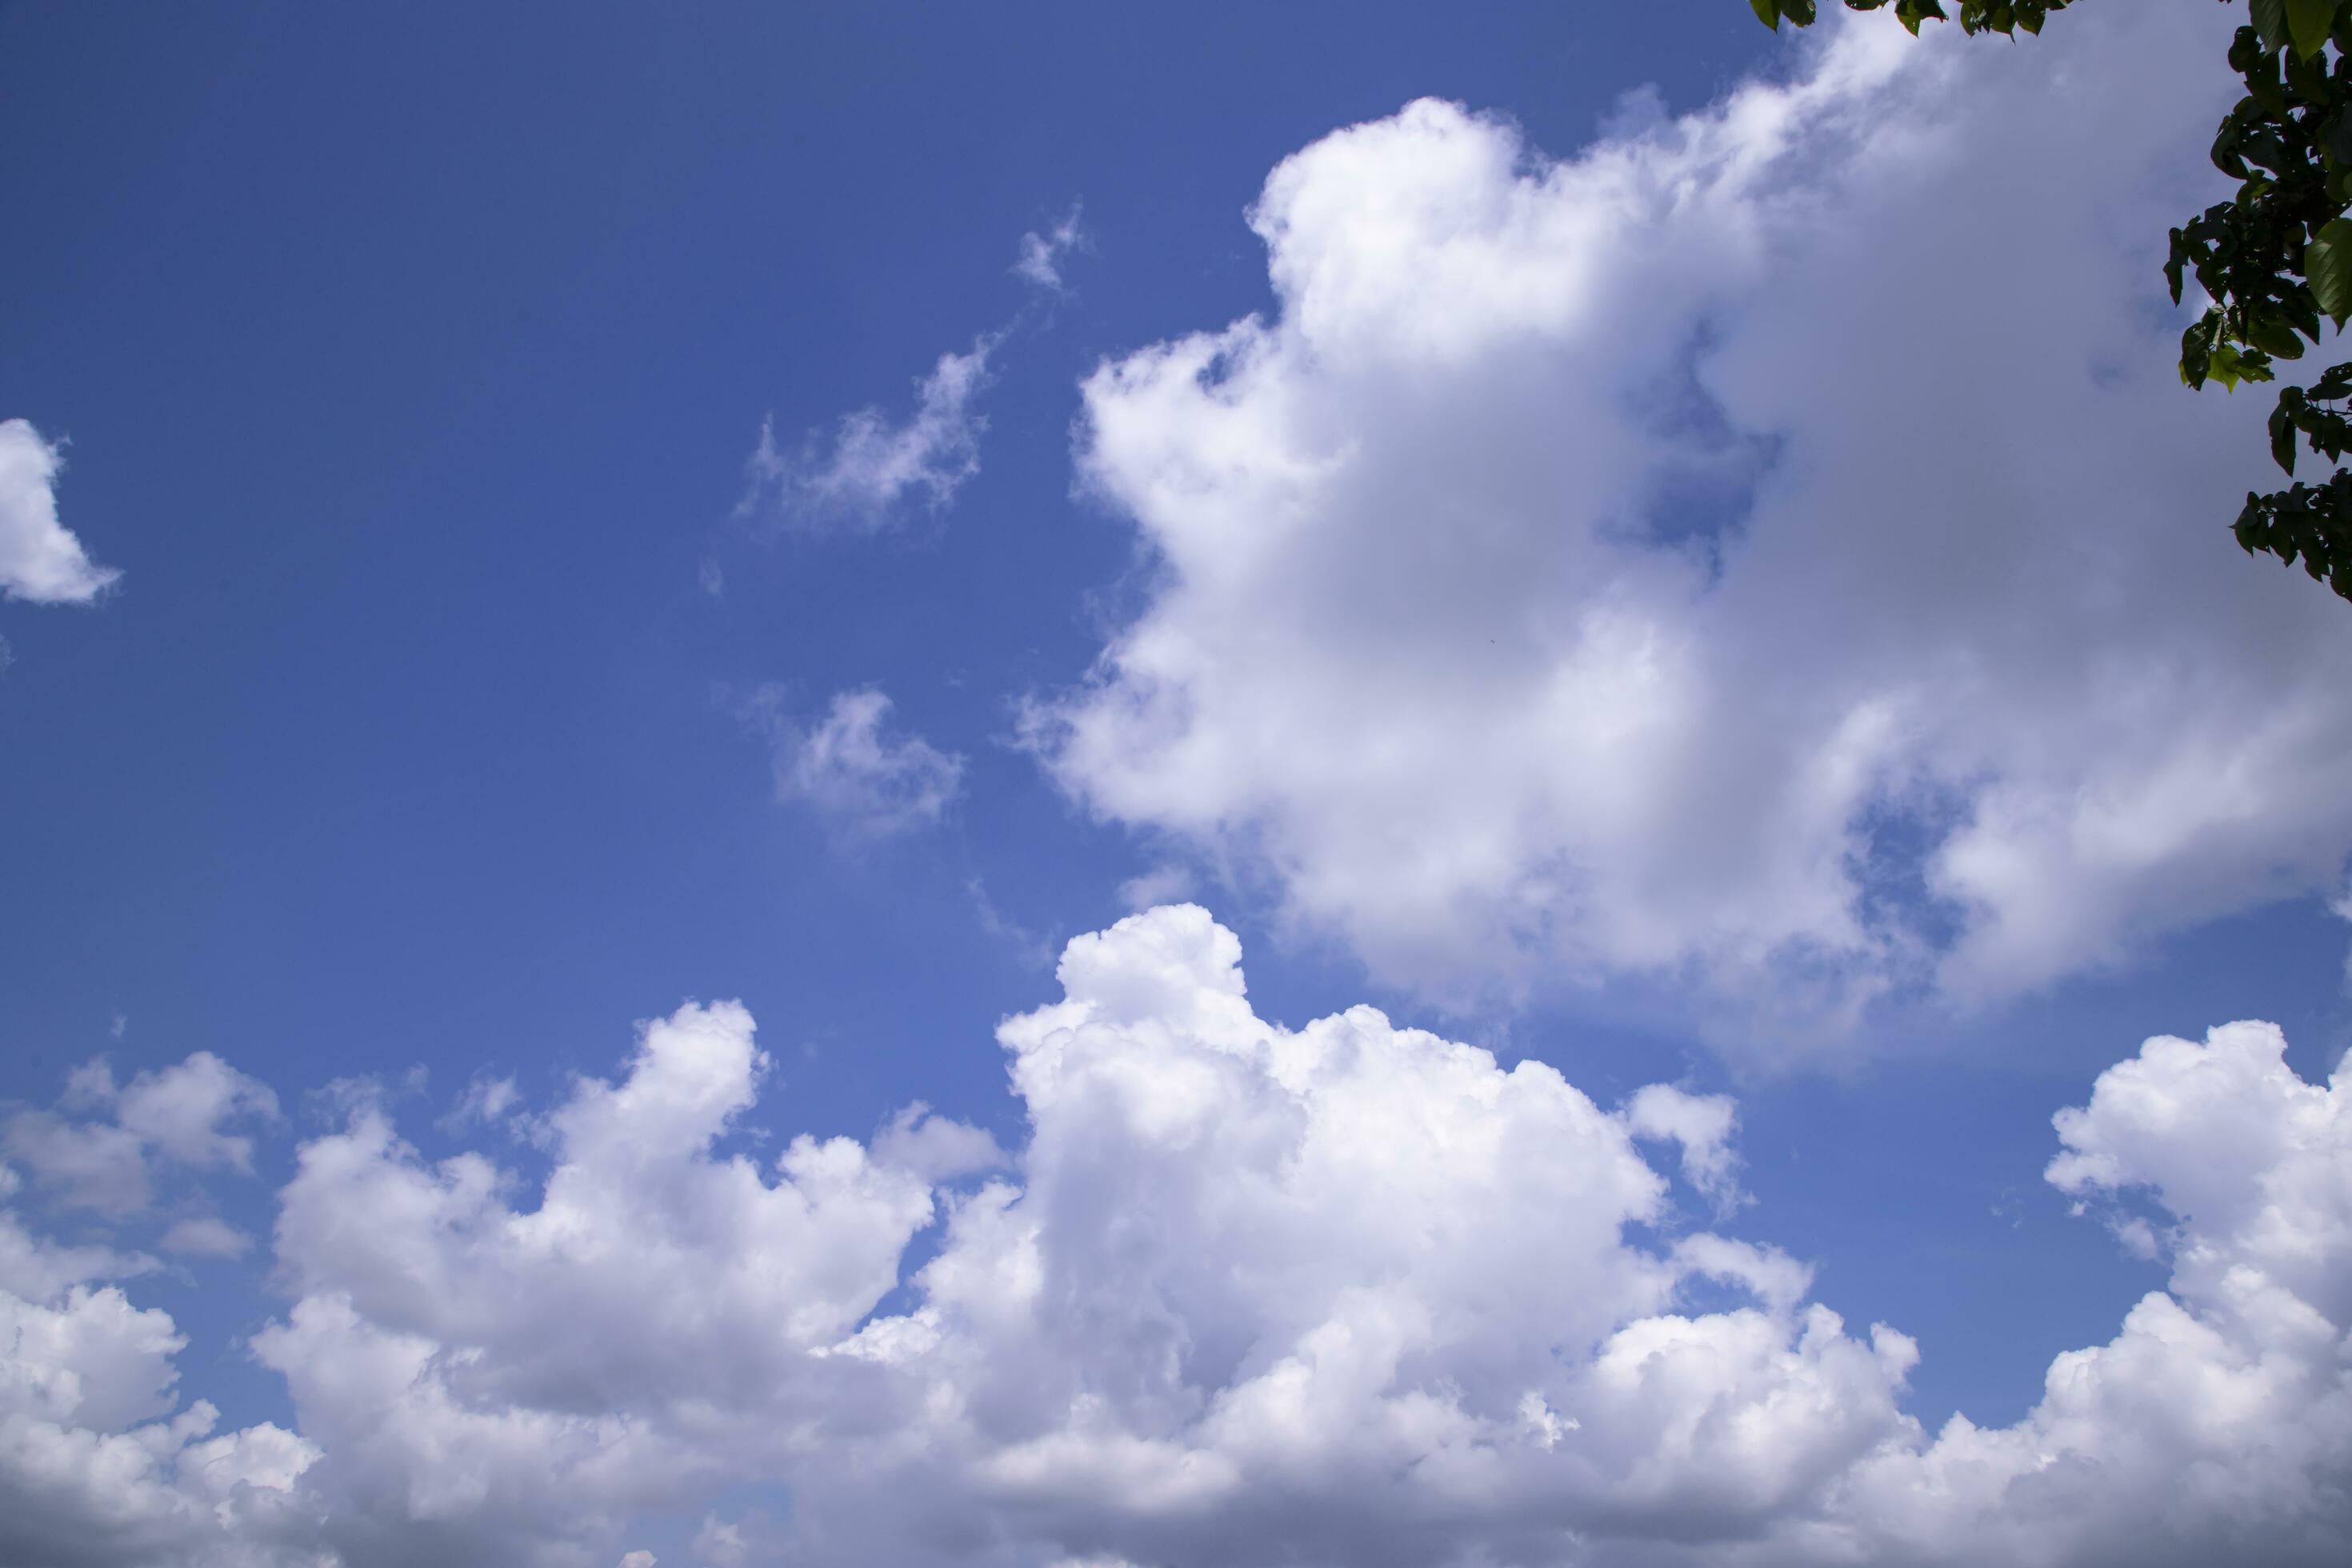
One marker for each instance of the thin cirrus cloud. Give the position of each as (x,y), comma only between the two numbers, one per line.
(869,470)
(40,561)
(1767,556)
(1244,1294)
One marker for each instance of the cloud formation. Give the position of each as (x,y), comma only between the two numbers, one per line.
(1043,255)
(1767,554)
(39,560)
(856,476)
(851,768)
(103,1156)
(1352,1293)
(99,1463)
(870,469)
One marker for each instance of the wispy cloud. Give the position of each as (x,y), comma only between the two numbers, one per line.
(863,474)
(1035,948)
(1043,255)
(870,469)
(851,766)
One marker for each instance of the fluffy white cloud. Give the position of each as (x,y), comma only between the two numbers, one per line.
(511,1385)
(1703,1125)
(851,768)
(1352,1293)
(2217,1425)
(856,476)
(1769,549)
(98,1465)
(39,560)
(184,1115)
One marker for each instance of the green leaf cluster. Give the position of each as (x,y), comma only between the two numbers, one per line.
(2275,260)
(1976,16)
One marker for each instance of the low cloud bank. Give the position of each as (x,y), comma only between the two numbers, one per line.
(1347,1294)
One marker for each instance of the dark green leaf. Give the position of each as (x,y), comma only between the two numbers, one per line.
(2327,264)
(2273,336)
(2338,138)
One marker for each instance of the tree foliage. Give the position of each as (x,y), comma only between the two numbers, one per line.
(2275,260)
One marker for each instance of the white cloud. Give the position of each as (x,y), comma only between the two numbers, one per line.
(486,1098)
(1767,555)
(98,1463)
(510,1385)
(204,1235)
(2217,1425)
(1702,1124)
(859,474)
(183,1111)
(39,560)
(89,1165)
(851,768)
(722,1542)
(1044,255)
(1352,1293)
(1161,884)
(182,1114)
(936,1148)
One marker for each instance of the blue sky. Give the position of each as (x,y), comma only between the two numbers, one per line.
(446,713)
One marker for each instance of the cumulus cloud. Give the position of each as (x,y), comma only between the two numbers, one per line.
(1702,1124)
(852,768)
(39,560)
(1349,1293)
(186,1115)
(2218,1423)
(99,1461)
(511,1385)
(1043,255)
(858,475)
(1766,556)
